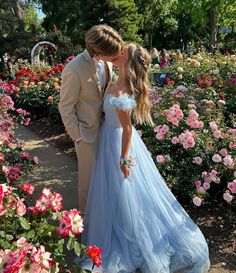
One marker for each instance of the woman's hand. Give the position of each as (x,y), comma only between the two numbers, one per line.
(125,169)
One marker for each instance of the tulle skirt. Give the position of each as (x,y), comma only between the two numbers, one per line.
(137,221)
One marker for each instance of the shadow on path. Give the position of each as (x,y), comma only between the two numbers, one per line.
(56,170)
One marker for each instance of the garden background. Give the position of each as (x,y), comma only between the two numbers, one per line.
(193,106)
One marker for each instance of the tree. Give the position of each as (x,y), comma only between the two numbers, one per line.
(75,17)
(210,15)
(30,18)
(11,12)
(63,15)
(157,21)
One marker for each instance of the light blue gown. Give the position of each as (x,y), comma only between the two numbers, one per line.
(137,221)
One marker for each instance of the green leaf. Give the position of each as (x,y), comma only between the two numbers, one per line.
(6,245)
(9,237)
(2,233)
(77,248)
(70,243)
(24,223)
(30,234)
(14,225)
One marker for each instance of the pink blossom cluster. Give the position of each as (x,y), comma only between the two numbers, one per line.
(178,91)
(225,158)
(70,222)
(12,172)
(192,120)
(22,112)
(232,81)
(174,114)
(228,194)
(214,127)
(6,103)
(27,188)
(8,87)
(27,258)
(47,200)
(187,139)
(208,102)
(212,176)
(201,188)
(161,131)
(13,201)
(232,144)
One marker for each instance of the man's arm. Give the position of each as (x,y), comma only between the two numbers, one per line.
(69,95)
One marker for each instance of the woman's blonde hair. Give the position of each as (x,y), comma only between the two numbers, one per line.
(103,40)
(154,53)
(137,66)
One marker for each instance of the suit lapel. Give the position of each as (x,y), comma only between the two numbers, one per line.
(93,70)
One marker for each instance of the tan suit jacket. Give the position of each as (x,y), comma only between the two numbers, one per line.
(81,97)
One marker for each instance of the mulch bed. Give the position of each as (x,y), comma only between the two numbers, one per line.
(214,219)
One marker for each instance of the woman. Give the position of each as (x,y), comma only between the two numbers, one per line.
(164,59)
(155,56)
(131,213)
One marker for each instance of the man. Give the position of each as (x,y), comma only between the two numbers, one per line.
(84,81)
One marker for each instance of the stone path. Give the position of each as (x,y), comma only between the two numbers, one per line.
(59,171)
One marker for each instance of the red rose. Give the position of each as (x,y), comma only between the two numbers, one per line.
(222,96)
(94,254)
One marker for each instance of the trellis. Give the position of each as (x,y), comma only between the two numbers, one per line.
(38,50)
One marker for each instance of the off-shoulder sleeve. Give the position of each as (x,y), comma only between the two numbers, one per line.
(124,102)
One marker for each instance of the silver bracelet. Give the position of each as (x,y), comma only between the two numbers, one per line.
(128,161)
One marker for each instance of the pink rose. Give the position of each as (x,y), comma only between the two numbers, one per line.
(36,160)
(50,99)
(27,188)
(228,197)
(216,158)
(213,125)
(228,162)
(160,159)
(232,186)
(175,140)
(197,201)
(223,152)
(217,134)
(206,186)
(198,184)
(197,160)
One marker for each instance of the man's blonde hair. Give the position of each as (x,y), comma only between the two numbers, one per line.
(103,40)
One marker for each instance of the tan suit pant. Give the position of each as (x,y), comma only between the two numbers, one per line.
(86,155)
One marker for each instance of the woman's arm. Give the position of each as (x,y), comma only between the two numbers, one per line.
(126,124)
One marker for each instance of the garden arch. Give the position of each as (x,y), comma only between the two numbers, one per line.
(37,50)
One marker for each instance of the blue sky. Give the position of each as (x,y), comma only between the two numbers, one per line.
(40,13)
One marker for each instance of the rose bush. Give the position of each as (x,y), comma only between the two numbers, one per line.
(37,89)
(33,237)
(194,142)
